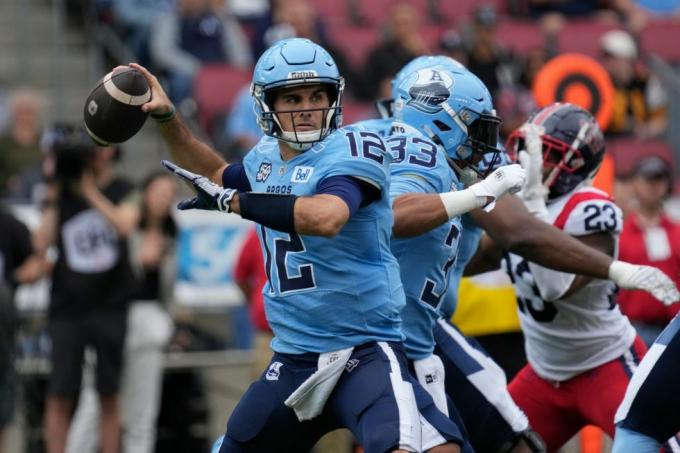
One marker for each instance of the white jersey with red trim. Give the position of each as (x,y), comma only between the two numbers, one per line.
(566,337)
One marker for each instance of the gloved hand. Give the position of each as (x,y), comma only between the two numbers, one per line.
(507,179)
(645,278)
(209,195)
(533,192)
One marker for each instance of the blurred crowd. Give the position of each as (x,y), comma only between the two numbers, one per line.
(370,41)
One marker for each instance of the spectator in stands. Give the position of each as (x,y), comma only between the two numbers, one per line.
(451,45)
(650,237)
(20,154)
(640,101)
(195,34)
(135,18)
(89,217)
(297,18)
(515,103)
(149,328)
(18,264)
(402,43)
(487,58)
(241,129)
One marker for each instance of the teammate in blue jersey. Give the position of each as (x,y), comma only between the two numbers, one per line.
(321,198)
(475,383)
(649,413)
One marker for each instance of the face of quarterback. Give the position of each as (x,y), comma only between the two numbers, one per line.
(301,108)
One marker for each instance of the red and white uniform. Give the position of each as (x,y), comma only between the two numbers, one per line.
(581,349)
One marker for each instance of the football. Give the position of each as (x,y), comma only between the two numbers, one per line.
(112,112)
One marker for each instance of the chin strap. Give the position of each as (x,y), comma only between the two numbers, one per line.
(301,141)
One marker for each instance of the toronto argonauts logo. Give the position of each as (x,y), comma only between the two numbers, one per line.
(274,371)
(263,172)
(430,89)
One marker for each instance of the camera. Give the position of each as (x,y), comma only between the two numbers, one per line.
(72,148)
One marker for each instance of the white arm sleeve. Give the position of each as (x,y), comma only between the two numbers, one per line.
(461,201)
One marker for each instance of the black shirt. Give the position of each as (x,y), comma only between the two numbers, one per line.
(15,246)
(93,270)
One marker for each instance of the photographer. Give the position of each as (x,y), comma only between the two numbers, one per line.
(88,215)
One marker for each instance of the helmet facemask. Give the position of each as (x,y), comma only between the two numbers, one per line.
(270,120)
(560,159)
(481,132)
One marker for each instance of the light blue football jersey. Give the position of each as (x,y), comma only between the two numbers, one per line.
(469,241)
(381,126)
(420,166)
(325,294)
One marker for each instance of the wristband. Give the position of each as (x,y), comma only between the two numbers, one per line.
(164,117)
(461,201)
(272,211)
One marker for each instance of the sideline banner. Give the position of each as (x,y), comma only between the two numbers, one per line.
(208,244)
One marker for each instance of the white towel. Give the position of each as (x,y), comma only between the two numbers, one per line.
(430,374)
(310,397)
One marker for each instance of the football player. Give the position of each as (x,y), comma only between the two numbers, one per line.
(581,349)
(474,382)
(481,397)
(649,412)
(320,195)
(422,166)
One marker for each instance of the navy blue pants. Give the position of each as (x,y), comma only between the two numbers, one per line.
(376,398)
(652,402)
(478,388)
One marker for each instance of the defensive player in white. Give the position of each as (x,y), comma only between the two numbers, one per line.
(581,349)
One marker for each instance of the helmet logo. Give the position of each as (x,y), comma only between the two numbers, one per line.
(302,75)
(430,89)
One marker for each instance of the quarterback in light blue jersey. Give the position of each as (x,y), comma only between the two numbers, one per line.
(320,197)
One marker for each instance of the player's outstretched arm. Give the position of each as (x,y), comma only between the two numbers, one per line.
(418,213)
(513,228)
(187,151)
(487,257)
(318,215)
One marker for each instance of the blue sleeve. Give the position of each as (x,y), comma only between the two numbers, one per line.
(350,190)
(410,183)
(234,177)
(362,155)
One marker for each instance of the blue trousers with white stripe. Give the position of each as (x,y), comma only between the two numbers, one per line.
(478,388)
(651,406)
(376,398)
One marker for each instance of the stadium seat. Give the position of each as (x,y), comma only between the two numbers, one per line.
(373,12)
(354,42)
(451,11)
(332,11)
(432,34)
(215,88)
(627,151)
(583,36)
(353,111)
(658,38)
(519,36)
